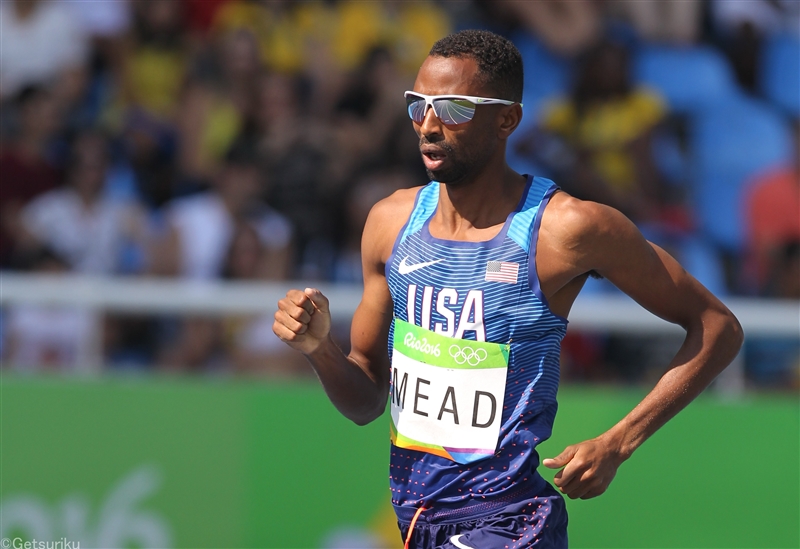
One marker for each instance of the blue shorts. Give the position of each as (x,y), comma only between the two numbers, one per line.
(539,522)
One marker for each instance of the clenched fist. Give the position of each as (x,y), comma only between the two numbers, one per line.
(303,319)
(588,468)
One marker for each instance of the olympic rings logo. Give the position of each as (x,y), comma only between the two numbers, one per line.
(473,357)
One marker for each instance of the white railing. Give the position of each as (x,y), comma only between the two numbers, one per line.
(605,313)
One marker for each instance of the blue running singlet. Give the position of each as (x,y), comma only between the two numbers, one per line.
(475,363)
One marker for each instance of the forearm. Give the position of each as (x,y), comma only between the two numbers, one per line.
(708,348)
(353,391)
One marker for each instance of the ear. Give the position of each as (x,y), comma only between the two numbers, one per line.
(510,118)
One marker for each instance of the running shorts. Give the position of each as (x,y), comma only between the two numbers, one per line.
(539,522)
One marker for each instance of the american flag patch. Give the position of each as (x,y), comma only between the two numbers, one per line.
(501,271)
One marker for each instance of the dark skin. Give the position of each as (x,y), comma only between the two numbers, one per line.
(575,237)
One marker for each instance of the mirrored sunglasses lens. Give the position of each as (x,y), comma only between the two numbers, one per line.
(454,111)
(416,108)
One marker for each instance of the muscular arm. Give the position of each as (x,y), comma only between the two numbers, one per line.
(595,237)
(357,383)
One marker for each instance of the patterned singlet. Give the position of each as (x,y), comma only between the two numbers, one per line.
(466,415)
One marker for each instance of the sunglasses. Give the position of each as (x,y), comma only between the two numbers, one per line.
(450,109)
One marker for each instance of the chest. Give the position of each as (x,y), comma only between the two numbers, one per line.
(477,293)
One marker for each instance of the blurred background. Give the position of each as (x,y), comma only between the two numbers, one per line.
(168,168)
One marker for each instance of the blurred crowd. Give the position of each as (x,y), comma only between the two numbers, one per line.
(248,139)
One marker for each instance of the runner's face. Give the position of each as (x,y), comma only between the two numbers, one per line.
(454,153)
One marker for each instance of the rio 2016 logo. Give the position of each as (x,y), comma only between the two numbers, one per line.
(118,523)
(468,355)
(421,345)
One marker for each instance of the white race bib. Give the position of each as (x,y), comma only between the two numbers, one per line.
(447,394)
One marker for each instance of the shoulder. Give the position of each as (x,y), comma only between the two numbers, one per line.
(582,230)
(386,218)
(397,202)
(572,219)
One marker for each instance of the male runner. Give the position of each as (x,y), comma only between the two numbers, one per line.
(471,279)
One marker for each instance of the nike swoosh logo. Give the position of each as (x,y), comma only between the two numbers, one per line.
(404,268)
(454,541)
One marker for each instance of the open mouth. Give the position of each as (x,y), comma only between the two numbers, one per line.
(433,158)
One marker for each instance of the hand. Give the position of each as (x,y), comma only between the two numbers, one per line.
(303,319)
(589,467)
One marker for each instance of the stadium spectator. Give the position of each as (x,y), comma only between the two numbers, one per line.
(48,338)
(107,25)
(244,344)
(282,32)
(298,148)
(772,207)
(144,108)
(217,104)
(324,41)
(742,27)
(677,23)
(607,125)
(80,222)
(43,44)
(248,339)
(369,119)
(194,345)
(772,217)
(372,187)
(27,165)
(156,61)
(201,226)
(567,27)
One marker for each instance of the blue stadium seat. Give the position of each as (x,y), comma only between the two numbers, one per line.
(546,74)
(780,72)
(690,79)
(731,142)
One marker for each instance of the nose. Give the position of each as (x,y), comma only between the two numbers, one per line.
(431,125)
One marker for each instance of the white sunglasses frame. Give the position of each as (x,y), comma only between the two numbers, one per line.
(429,99)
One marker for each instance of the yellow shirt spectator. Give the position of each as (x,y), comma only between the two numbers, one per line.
(604,130)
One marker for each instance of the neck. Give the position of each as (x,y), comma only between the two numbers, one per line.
(481,202)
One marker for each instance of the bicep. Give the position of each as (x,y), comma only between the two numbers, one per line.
(369,330)
(648,274)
